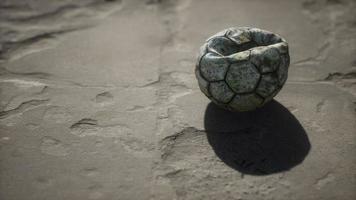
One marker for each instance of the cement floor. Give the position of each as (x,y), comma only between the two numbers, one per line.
(98,100)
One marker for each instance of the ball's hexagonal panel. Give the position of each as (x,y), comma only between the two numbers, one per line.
(281,47)
(264,38)
(221,105)
(220,91)
(266,59)
(246,102)
(222,45)
(202,51)
(239,36)
(203,84)
(242,77)
(267,85)
(283,69)
(213,67)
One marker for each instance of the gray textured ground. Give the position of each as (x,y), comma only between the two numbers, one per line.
(99,100)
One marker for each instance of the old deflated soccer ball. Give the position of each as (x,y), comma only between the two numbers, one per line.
(241,69)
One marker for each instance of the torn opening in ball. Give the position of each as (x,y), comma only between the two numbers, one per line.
(242,68)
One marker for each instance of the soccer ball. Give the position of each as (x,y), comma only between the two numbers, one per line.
(241,69)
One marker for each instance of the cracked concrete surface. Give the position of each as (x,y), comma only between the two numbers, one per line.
(98,100)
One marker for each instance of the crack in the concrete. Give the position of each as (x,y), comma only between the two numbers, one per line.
(22,107)
(55,13)
(11,46)
(92,127)
(39,75)
(320,11)
(320,56)
(320,106)
(167,144)
(326,179)
(339,75)
(85,121)
(90,11)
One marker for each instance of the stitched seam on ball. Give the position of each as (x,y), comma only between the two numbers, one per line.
(215,98)
(233,97)
(212,50)
(263,98)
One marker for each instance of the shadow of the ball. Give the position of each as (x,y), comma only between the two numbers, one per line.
(265,141)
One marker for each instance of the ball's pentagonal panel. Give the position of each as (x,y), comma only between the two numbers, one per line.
(203,84)
(242,77)
(267,85)
(213,67)
(257,35)
(283,69)
(246,102)
(266,59)
(222,46)
(270,97)
(271,38)
(238,57)
(243,68)
(220,91)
